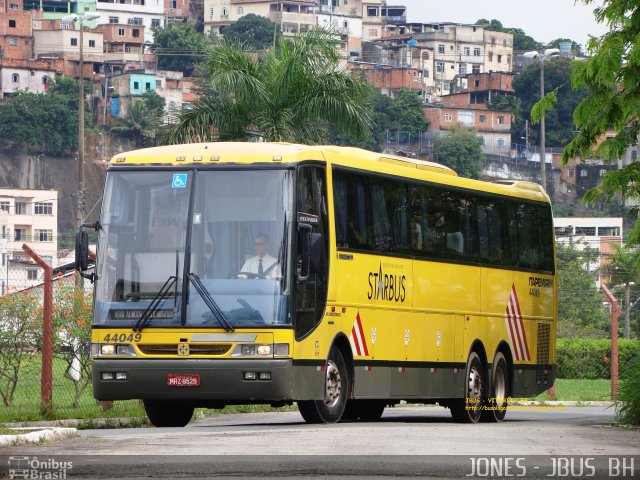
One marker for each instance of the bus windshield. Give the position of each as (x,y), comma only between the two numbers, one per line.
(185,248)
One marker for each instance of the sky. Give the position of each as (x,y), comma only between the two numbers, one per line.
(544,20)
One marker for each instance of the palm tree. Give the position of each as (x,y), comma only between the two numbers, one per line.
(140,123)
(625,269)
(294,93)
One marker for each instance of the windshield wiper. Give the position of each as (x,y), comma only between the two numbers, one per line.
(210,302)
(155,304)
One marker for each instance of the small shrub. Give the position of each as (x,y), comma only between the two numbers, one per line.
(628,401)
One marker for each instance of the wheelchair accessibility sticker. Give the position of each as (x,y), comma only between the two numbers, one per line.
(179,180)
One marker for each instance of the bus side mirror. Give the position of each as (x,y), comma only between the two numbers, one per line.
(82,251)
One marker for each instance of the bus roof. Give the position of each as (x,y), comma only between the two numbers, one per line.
(246,153)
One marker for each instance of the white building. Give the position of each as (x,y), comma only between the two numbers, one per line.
(597,233)
(149,13)
(31,217)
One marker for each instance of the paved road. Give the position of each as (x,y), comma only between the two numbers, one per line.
(408,441)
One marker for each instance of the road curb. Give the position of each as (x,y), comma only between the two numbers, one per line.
(27,435)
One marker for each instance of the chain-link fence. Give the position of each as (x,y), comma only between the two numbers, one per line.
(24,349)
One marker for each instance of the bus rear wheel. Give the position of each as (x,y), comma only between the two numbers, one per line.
(336,392)
(469,409)
(168,413)
(497,403)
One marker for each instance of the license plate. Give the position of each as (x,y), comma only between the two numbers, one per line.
(190,380)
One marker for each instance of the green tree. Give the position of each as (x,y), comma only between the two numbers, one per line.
(142,121)
(292,93)
(580,312)
(460,149)
(47,121)
(406,114)
(624,267)
(612,75)
(559,121)
(179,47)
(256,32)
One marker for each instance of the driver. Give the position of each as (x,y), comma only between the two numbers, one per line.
(263,264)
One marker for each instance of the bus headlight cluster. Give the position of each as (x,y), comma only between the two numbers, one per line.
(112,350)
(261,350)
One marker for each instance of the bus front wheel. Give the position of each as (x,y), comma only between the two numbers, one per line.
(497,404)
(469,409)
(167,413)
(336,392)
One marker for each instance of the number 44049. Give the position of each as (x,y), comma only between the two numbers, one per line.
(122,337)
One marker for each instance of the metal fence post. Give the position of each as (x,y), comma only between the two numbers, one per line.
(46,379)
(615,312)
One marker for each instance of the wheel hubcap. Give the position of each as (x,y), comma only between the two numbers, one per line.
(334,384)
(475,384)
(500,386)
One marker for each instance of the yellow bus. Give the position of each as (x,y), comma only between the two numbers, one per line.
(337,278)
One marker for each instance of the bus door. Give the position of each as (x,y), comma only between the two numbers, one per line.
(312,253)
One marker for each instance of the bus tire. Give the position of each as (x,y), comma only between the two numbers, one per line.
(469,409)
(497,402)
(336,393)
(168,413)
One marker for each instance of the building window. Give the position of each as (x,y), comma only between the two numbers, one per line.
(147,86)
(225,11)
(20,234)
(137,21)
(92,43)
(448,117)
(476,52)
(373,32)
(158,83)
(74,42)
(12,24)
(43,235)
(467,51)
(43,208)
(13,42)
(584,173)
(372,12)
(500,119)
(114,20)
(571,171)
(173,4)
(440,48)
(462,68)
(634,155)
(15,78)
(466,117)
(439,67)
(155,22)
(21,208)
(13,6)
(135,33)
(240,11)
(32,274)
(499,58)
(121,32)
(602,171)
(491,56)
(483,119)
(4,206)
(500,142)
(136,85)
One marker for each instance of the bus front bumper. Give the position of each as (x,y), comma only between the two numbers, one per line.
(192,379)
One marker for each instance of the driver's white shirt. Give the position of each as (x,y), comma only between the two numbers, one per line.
(251,266)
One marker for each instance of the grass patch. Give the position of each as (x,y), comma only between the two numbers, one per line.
(26,402)
(7,431)
(579,390)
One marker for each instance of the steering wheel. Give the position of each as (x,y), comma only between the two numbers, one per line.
(247,275)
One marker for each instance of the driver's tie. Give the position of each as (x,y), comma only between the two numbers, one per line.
(260,270)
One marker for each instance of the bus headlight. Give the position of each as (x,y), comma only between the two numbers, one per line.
(112,349)
(253,350)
